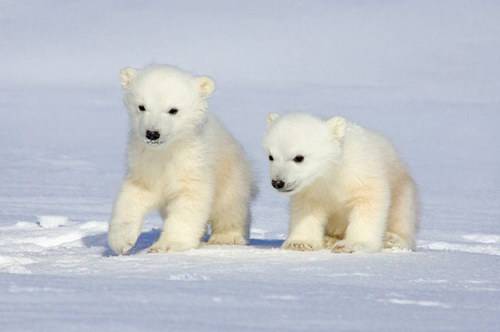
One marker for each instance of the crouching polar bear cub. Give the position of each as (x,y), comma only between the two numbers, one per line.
(349,190)
(182,162)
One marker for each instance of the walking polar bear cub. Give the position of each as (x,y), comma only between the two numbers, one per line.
(182,162)
(349,190)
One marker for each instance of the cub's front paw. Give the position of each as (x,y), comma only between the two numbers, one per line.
(121,238)
(169,246)
(301,245)
(227,238)
(348,247)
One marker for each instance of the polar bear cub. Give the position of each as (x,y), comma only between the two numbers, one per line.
(349,190)
(181,162)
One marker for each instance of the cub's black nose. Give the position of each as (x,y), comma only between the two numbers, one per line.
(152,135)
(278,184)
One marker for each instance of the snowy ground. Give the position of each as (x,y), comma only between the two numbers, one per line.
(424,73)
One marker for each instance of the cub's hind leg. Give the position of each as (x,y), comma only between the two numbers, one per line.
(230,219)
(403,217)
(335,230)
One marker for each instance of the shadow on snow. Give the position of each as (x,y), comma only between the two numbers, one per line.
(146,239)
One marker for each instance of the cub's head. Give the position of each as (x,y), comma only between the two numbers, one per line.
(164,102)
(300,148)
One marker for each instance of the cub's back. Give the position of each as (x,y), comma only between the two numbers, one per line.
(372,154)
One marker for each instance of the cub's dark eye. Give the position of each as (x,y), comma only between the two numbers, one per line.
(141,108)
(173,111)
(271,158)
(298,159)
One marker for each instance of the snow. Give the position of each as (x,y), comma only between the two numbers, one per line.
(424,73)
(52,221)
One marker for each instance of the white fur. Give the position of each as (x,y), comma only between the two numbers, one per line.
(193,174)
(350,193)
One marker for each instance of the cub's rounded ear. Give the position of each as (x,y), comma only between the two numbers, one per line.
(337,126)
(127,75)
(206,86)
(271,117)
